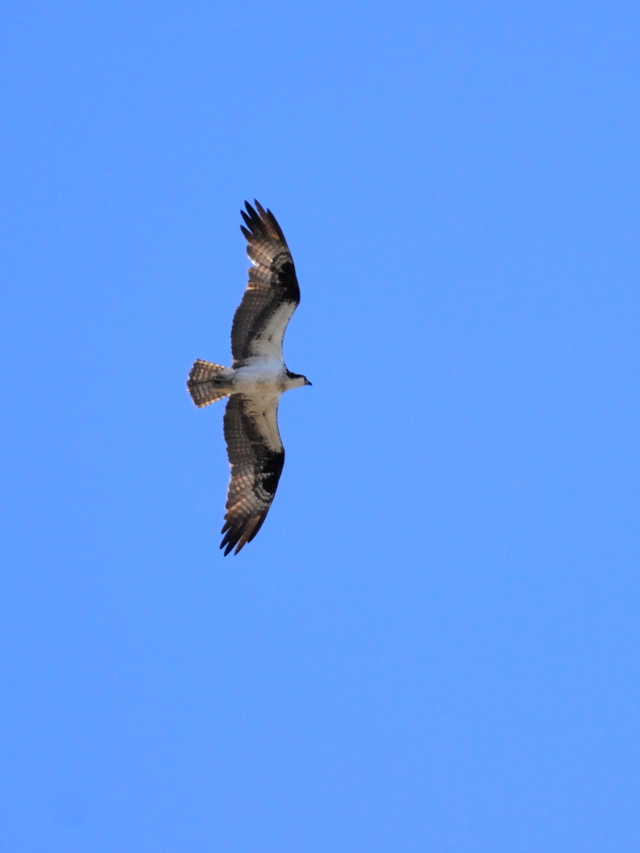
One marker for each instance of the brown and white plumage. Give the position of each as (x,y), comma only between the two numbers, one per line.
(257,379)
(256,456)
(272,295)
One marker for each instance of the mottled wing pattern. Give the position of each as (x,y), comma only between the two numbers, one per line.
(256,457)
(272,294)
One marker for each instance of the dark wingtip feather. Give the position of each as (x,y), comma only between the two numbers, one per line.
(238,534)
(233,534)
(270,220)
(229,543)
(248,221)
(257,225)
(261,222)
(251,213)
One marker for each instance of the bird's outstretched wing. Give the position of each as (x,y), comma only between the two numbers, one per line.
(272,294)
(256,457)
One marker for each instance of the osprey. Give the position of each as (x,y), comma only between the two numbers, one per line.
(257,380)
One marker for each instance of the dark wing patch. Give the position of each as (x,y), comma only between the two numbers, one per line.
(256,457)
(272,294)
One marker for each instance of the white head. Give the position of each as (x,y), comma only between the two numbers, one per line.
(296,380)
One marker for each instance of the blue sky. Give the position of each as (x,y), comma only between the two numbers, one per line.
(432,645)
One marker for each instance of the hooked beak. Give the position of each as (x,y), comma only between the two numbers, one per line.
(308,383)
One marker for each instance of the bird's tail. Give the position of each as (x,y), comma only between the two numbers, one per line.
(209,382)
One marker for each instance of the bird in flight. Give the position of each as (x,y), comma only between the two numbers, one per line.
(257,380)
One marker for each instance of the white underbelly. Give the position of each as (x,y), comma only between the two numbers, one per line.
(258,379)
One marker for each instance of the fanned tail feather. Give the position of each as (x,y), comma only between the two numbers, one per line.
(209,382)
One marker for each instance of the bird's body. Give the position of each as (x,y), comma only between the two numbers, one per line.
(257,380)
(265,377)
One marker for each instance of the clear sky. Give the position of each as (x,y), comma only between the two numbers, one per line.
(432,646)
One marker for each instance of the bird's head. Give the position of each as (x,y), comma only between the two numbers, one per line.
(297,380)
